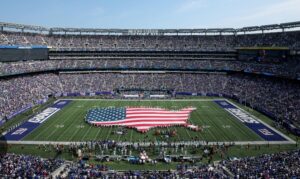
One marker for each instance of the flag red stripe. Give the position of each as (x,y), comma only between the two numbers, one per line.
(156,112)
(157,109)
(145,124)
(153,116)
(145,118)
(141,120)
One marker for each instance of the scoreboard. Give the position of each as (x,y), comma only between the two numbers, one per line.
(20,53)
(263,54)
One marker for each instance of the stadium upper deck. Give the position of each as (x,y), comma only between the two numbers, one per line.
(283,35)
(213,31)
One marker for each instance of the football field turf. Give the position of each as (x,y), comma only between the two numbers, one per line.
(68,124)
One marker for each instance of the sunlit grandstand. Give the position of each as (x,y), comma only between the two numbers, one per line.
(119,103)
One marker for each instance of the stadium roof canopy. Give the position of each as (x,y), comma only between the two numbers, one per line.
(57,30)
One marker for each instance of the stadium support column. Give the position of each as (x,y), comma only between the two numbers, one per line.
(1,29)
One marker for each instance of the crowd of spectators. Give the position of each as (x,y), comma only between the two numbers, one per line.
(19,93)
(287,68)
(152,42)
(277,165)
(258,91)
(279,97)
(83,170)
(26,166)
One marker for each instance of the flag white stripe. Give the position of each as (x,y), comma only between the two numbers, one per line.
(148,124)
(145,118)
(152,122)
(156,115)
(140,119)
(158,112)
(158,109)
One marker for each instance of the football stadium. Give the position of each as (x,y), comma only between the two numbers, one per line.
(90,102)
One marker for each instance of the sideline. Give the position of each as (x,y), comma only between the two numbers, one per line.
(145,144)
(82,99)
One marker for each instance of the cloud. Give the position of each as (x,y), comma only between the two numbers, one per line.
(275,13)
(191,5)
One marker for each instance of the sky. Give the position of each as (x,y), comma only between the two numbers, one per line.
(151,14)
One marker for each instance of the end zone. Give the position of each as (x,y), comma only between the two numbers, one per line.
(261,128)
(34,122)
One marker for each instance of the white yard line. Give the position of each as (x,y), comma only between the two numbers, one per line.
(95,138)
(82,138)
(70,117)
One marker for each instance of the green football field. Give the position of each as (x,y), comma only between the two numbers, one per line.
(69,125)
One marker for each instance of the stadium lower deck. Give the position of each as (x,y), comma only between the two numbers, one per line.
(48,133)
(220,120)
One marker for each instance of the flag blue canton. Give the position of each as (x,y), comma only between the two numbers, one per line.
(106,114)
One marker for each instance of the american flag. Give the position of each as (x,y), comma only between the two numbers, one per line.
(141,118)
